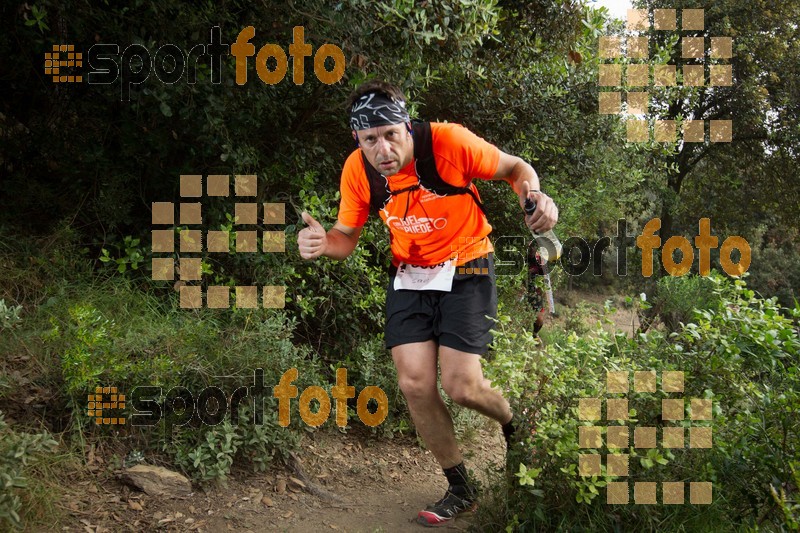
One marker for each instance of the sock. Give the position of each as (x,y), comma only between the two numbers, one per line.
(509,429)
(457,476)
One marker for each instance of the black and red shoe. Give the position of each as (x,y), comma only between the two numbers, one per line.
(463,500)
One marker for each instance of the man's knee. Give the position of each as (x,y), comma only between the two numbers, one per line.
(465,394)
(417,388)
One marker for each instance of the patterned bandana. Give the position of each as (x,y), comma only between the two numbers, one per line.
(373,109)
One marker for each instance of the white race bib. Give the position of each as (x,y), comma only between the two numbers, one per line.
(422,278)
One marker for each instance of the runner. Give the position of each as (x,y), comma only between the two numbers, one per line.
(418,178)
(534,292)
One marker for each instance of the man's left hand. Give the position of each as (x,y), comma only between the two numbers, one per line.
(546,214)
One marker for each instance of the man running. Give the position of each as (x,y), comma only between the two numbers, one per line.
(534,293)
(418,178)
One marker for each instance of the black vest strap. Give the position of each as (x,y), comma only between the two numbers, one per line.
(426,171)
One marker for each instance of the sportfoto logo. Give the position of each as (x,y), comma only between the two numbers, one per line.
(594,464)
(150,405)
(170,62)
(633,53)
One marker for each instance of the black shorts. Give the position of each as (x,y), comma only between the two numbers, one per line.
(456,319)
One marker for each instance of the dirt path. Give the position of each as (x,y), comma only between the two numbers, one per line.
(622,319)
(360,484)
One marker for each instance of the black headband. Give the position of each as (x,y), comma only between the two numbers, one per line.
(376,109)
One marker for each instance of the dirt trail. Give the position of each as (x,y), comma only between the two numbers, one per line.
(358,484)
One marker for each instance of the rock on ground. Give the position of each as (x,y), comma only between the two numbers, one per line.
(157,481)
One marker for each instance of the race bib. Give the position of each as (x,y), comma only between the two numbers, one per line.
(423,278)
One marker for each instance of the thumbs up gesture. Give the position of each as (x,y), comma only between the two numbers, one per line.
(312,241)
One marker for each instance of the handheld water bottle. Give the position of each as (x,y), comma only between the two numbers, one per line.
(549,246)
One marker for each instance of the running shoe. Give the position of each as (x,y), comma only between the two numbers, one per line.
(445,510)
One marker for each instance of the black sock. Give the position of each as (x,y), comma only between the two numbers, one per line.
(509,429)
(457,475)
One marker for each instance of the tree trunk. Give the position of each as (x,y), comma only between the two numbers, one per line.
(674,183)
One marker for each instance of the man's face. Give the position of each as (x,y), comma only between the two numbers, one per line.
(388,148)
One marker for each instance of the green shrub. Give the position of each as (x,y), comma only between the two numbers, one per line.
(577,319)
(9,316)
(742,353)
(339,303)
(788,504)
(117,335)
(776,265)
(17,450)
(371,364)
(209,453)
(676,299)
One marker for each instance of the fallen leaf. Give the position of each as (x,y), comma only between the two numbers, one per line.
(136,506)
(280,486)
(267,501)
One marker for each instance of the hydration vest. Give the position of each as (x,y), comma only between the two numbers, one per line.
(425,167)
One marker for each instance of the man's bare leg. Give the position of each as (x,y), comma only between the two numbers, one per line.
(463,381)
(417,372)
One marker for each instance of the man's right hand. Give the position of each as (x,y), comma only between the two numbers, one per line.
(312,241)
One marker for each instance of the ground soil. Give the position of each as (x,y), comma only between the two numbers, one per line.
(353,482)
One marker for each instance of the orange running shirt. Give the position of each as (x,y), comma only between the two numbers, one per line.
(427,229)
